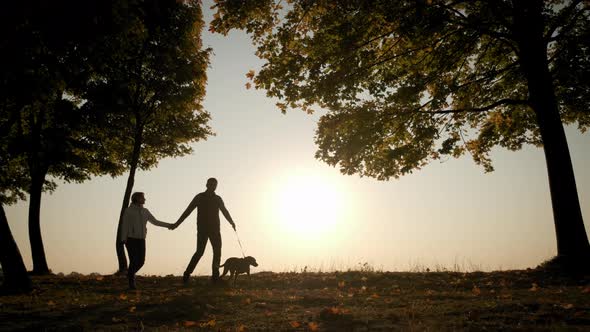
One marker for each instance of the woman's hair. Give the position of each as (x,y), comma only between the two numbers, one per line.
(135,197)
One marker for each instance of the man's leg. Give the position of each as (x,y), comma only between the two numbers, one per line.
(201,243)
(215,239)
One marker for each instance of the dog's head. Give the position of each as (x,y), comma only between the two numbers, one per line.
(251,260)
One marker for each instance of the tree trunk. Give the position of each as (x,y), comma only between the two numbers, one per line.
(130,182)
(572,241)
(16,279)
(37,250)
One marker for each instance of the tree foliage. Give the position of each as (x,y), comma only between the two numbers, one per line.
(408,82)
(153,83)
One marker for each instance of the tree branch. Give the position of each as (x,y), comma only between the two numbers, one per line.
(501,102)
(567,28)
(490,74)
(296,26)
(463,21)
(561,19)
(360,46)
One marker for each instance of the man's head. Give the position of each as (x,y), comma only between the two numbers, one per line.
(211,184)
(138,198)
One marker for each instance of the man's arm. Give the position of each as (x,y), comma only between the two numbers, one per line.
(226,213)
(189,209)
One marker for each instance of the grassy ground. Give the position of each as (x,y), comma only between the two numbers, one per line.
(336,301)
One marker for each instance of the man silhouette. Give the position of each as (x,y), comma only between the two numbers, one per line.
(208,205)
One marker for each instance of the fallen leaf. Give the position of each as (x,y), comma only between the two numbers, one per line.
(331,313)
(586,290)
(116,320)
(534,287)
(210,323)
(100,278)
(189,323)
(132,309)
(295,324)
(241,328)
(567,306)
(341,284)
(375,296)
(313,326)
(51,303)
(123,296)
(476,291)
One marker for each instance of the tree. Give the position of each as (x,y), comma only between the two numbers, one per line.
(408,82)
(13,180)
(45,48)
(151,90)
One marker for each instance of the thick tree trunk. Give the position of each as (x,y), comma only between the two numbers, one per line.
(572,241)
(37,249)
(126,197)
(16,279)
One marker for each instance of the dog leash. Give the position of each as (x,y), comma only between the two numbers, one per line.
(240,243)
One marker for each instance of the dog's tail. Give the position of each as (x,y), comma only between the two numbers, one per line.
(222,265)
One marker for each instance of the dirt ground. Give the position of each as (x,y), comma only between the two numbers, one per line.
(335,301)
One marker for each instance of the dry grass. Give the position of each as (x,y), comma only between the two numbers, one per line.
(335,301)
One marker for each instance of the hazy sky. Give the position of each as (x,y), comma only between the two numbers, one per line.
(293,211)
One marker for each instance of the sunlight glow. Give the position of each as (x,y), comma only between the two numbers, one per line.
(308,206)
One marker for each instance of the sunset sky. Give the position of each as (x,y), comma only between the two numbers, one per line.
(292,210)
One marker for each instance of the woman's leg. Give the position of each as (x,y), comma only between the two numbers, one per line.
(136,252)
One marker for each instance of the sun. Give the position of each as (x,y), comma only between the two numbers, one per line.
(308,205)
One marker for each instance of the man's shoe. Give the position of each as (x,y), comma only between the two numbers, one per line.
(218,281)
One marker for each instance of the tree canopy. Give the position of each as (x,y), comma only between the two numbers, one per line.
(408,82)
(153,81)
